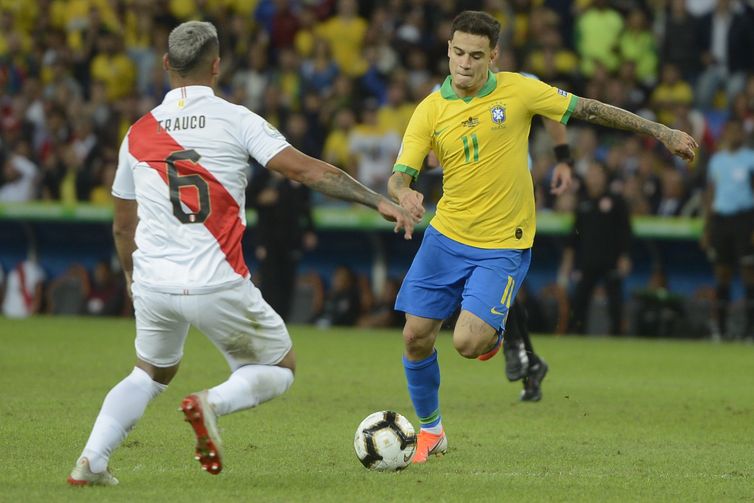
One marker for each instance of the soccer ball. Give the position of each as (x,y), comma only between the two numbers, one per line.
(385,441)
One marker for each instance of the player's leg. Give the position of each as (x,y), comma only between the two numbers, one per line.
(582,300)
(723,278)
(614,292)
(159,343)
(255,342)
(521,362)
(430,293)
(723,251)
(746,262)
(487,297)
(515,339)
(423,378)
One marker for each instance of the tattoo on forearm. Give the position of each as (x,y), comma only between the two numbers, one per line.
(607,115)
(339,184)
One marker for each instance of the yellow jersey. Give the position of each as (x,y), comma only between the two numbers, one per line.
(482,143)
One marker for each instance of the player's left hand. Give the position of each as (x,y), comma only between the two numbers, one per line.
(402,218)
(561,179)
(680,144)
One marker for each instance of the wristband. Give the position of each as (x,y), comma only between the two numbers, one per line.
(563,154)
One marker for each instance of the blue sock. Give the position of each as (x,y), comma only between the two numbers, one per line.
(423,379)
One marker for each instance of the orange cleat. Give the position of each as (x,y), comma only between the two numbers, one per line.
(430,444)
(202,419)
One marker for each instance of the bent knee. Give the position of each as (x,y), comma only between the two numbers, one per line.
(468,348)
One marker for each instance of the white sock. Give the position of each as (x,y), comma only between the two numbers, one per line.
(123,406)
(435,430)
(249,386)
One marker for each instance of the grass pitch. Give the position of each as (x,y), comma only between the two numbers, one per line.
(621,420)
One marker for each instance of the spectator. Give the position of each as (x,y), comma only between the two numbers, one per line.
(383,314)
(342,304)
(106,294)
(671,92)
(598,31)
(551,61)
(23,290)
(673,193)
(395,114)
(637,44)
(253,79)
(68,293)
(726,45)
(599,250)
(285,229)
(345,32)
(373,150)
(336,149)
(284,25)
(319,72)
(679,35)
(113,67)
(19,175)
(288,79)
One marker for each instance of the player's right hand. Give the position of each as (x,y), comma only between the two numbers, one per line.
(402,218)
(411,201)
(681,144)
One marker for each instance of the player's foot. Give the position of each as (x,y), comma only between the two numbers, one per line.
(429,444)
(533,382)
(203,420)
(516,361)
(82,475)
(492,352)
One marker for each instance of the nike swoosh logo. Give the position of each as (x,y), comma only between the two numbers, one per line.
(407,457)
(438,133)
(495,311)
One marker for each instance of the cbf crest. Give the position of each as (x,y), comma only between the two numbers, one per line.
(498,115)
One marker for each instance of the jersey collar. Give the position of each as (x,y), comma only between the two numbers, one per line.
(447,92)
(188,91)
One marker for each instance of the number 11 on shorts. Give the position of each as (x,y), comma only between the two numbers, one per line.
(508,292)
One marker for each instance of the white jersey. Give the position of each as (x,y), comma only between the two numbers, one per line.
(185,165)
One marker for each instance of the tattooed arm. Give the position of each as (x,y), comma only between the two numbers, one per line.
(596,112)
(334,182)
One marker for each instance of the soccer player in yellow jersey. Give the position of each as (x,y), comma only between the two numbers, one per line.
(477,249)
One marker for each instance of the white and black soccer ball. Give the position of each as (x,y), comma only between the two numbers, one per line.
(385,441)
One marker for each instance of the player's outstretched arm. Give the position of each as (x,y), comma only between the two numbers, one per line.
(334,182)
(678,142)
(124,229)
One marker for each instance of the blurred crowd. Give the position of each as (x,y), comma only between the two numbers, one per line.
(341,78)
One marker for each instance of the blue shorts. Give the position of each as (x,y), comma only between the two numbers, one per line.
(446,274)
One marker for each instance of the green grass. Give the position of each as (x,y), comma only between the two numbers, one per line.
(621,420)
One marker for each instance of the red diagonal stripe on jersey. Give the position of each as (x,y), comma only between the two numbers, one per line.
(150,144)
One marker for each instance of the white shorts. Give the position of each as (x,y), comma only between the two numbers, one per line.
(237,320)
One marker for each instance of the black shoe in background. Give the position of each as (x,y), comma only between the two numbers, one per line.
(533,382)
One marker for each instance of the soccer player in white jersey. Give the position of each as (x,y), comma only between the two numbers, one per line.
(178,223)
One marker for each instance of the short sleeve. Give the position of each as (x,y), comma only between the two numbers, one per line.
(548,101)
(417,140)
(123,184)
(260,138)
